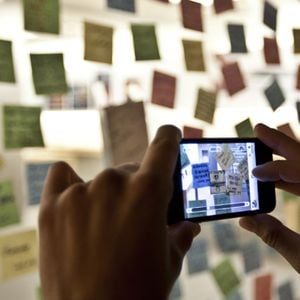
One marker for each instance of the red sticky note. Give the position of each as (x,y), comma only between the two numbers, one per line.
(234,81)
(263,287)
(163,89)
(287,130)
(223,5)
(192,132)
(298,79)
(191,15)
(271,51)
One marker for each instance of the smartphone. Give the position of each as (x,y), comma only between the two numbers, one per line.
(213,180)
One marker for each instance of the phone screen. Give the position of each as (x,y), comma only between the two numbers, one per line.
(216,178)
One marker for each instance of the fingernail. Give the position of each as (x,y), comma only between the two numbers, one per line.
(257,170)
(248,223)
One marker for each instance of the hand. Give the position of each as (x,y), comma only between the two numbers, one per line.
(107,238)
(286,175)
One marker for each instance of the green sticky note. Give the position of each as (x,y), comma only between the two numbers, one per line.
(48,73)
(193,54)
(22,127)
(226,277)
(41,15)
(8,210)
(145,42)
(7,73)
(39,293)
(244,129)
(206,106)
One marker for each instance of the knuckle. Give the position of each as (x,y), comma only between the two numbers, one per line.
(111,175)
(271,237)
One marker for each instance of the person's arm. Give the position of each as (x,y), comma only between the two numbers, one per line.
(286,175)
(108,238)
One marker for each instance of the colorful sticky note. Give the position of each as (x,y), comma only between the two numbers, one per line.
(223,5)
(200,173)
(251,256)
(234,81)
(271,51)
(8,209)
(206,106)
(285,291)
(7,72)
(225,236)
(197,258)
(163,89)
(263,287)
(48,73)
(193,53)
(274,95)
(287,130)
(41,16)
(296,34)
(226,277)
(237,38)
(126,5)
(145,42)
(244,128)
(191,15)
(98,43)
(298,79)
(18,254)
(22,127)
(39,293)
(192,132)
(225,158)
(270,15)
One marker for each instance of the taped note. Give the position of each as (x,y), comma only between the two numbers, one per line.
(271,51)
(237,38)
(234,81)
(263,287)
(225,158)
(191,132)
(126,5)
(298,79)
(251,256)
(7,72)
(206,106)
(274,95)
(244,128)
(191,15)
(193,54)
(285,291)
(223,5)
(224,232)
(296,34)
(200,173)
(234,183)
(197,257)
(270,15)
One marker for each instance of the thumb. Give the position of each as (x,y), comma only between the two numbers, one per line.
(276,235)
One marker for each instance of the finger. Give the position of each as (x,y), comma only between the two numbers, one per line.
(276,235)
(129,168)
(285,170)
(278,141)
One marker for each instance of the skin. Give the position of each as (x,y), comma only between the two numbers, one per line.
(107,238)
(286,175)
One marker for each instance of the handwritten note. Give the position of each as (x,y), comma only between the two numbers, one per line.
(200,173)
(145,42)
(225,236)
(285,291)
(193,53)
(298,79)
(271,51)
(234,183)
(237,38)
(98,42)
(7,72)
(274,95)
(263,287)
(22,127)
(234,81)
(192,132)
(191,15)
(243,168)
(126,5)
(206,106)
(163,89)
(18,254)
(8,210)
(251,256)
(223,5)
(287,130)
(225,158)
(48,73)
(41,16)
(270,15)
(197,257)
(244,128)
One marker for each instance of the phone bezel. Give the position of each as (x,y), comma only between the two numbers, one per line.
(266,190)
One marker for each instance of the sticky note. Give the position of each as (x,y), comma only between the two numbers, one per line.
(270,15)
(98,43)
(8,210)
(18,254)
(163,89)
(176,292)
(234,183)
(285,291)
(225,236)
(234,81)
(263,287)
(125,132)
(244,128)
(274,95)
(298,79)
(41,16)
(237,38)
(197,258)
(191,13)
(48,73)
(271,51)
(145,42)
(296,35)
(7,72)
(192,132)
(200,173)
(206,106)
(225,158)
(126,5)
(35,176)
(251,256)
(287,130)
(223,5)
(298,110)
(22,127)
(193,54)
(226,277)
(39,293)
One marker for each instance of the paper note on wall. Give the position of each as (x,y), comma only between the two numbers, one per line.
(234,81)
(263,287)
(22,127)
(298,110)
(270,15)
(271,51)
(192,132)
(193,54)
(191,15)
(225,158)
(223,5)
(98,42)
(225,237)
(163,89)
(287,130)
(244,128)
(18,254)
(206,106)
(126,5)
(41,16)
(285,291)
(298,79)
(296,34)
(145,42)
(251,256)
(237,38)
(7,72)
(8,209)
(197,257)
(274,95)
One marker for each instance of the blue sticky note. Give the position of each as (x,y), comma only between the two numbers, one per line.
(225,236)
(200,174)
(126,5)
(197,260)
(285,291)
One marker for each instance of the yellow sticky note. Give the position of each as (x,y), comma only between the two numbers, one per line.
(18,254)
